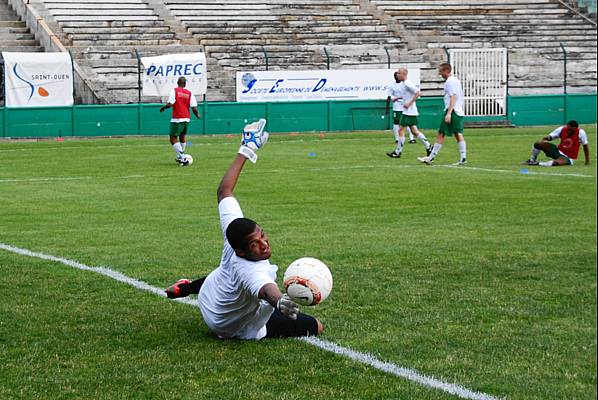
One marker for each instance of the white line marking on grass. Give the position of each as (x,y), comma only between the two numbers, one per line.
(315,169)
(393,369)
(363,358)
(47,179)
(516,172)
(99,270)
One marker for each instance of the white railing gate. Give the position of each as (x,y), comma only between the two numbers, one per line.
(483,73)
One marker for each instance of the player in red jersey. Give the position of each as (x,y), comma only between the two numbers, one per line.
(180,100)
(571,136)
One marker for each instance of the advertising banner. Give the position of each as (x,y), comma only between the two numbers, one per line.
(161,73)
(38,79)
(358,84)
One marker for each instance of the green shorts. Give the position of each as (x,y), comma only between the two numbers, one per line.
(456,125)
(554,153)
(178,128)
(396,117)
(408,120)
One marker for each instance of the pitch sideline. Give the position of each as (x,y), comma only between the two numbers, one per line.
(360,357)
(317,169)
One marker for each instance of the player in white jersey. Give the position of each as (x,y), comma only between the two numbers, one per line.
(240,298)
(410,93)
(395,96)
(452,121)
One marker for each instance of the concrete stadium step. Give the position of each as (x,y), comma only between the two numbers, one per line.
(21,49)
(20,30)
(366,40)
(12,43)
(74,24)
(244,31)
(122,42)
(104,30)
(11,24)
(127,52)
(15,36)
(103,36)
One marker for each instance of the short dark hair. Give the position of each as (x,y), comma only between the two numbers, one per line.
(573,124)
(445,66)
(237,232)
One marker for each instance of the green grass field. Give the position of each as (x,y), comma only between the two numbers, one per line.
(483,276)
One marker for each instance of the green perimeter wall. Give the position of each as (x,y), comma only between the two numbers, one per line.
(223,118)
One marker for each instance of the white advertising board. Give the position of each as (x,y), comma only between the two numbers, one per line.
(359,84)
(162,72)
(38,79)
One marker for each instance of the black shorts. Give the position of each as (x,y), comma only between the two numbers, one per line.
(279,326)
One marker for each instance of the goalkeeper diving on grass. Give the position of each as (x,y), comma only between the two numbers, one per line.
(240,298)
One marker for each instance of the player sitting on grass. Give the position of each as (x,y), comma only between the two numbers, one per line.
(240,298)
(571,136)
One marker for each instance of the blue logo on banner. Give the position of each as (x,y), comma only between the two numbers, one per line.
(175,70)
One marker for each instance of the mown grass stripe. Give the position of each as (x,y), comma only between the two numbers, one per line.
(363,358)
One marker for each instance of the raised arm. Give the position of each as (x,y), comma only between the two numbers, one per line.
(252,139)
(229,180)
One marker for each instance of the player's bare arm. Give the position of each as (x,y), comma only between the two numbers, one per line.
(229,180)
(270,293)
(413,100)
(449,110)
(586,153)
(195,112)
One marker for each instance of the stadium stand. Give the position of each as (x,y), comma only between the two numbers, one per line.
(103,35)
(294,35)
(532,30)
(14,37)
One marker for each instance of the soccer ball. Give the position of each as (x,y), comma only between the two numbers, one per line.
(308,281)
(188,159)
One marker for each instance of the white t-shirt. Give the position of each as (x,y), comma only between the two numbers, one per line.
(172,100)
(452,87)
(583,137)
(395,90)
(228,298)
(409,91)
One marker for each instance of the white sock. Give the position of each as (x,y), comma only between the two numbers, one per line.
(435,150)
(183,146)
(410,134)
(422,138)
(462,149)
(400,144)
(546,164)
(535,153)
(178,149)
(395,130)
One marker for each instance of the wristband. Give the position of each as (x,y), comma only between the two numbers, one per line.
(248,153)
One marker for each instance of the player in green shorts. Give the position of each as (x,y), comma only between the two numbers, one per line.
(180,100)
(452,120)
(409,92)
(455,127)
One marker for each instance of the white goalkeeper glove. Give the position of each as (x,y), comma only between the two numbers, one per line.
(253,138)
(287,307)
